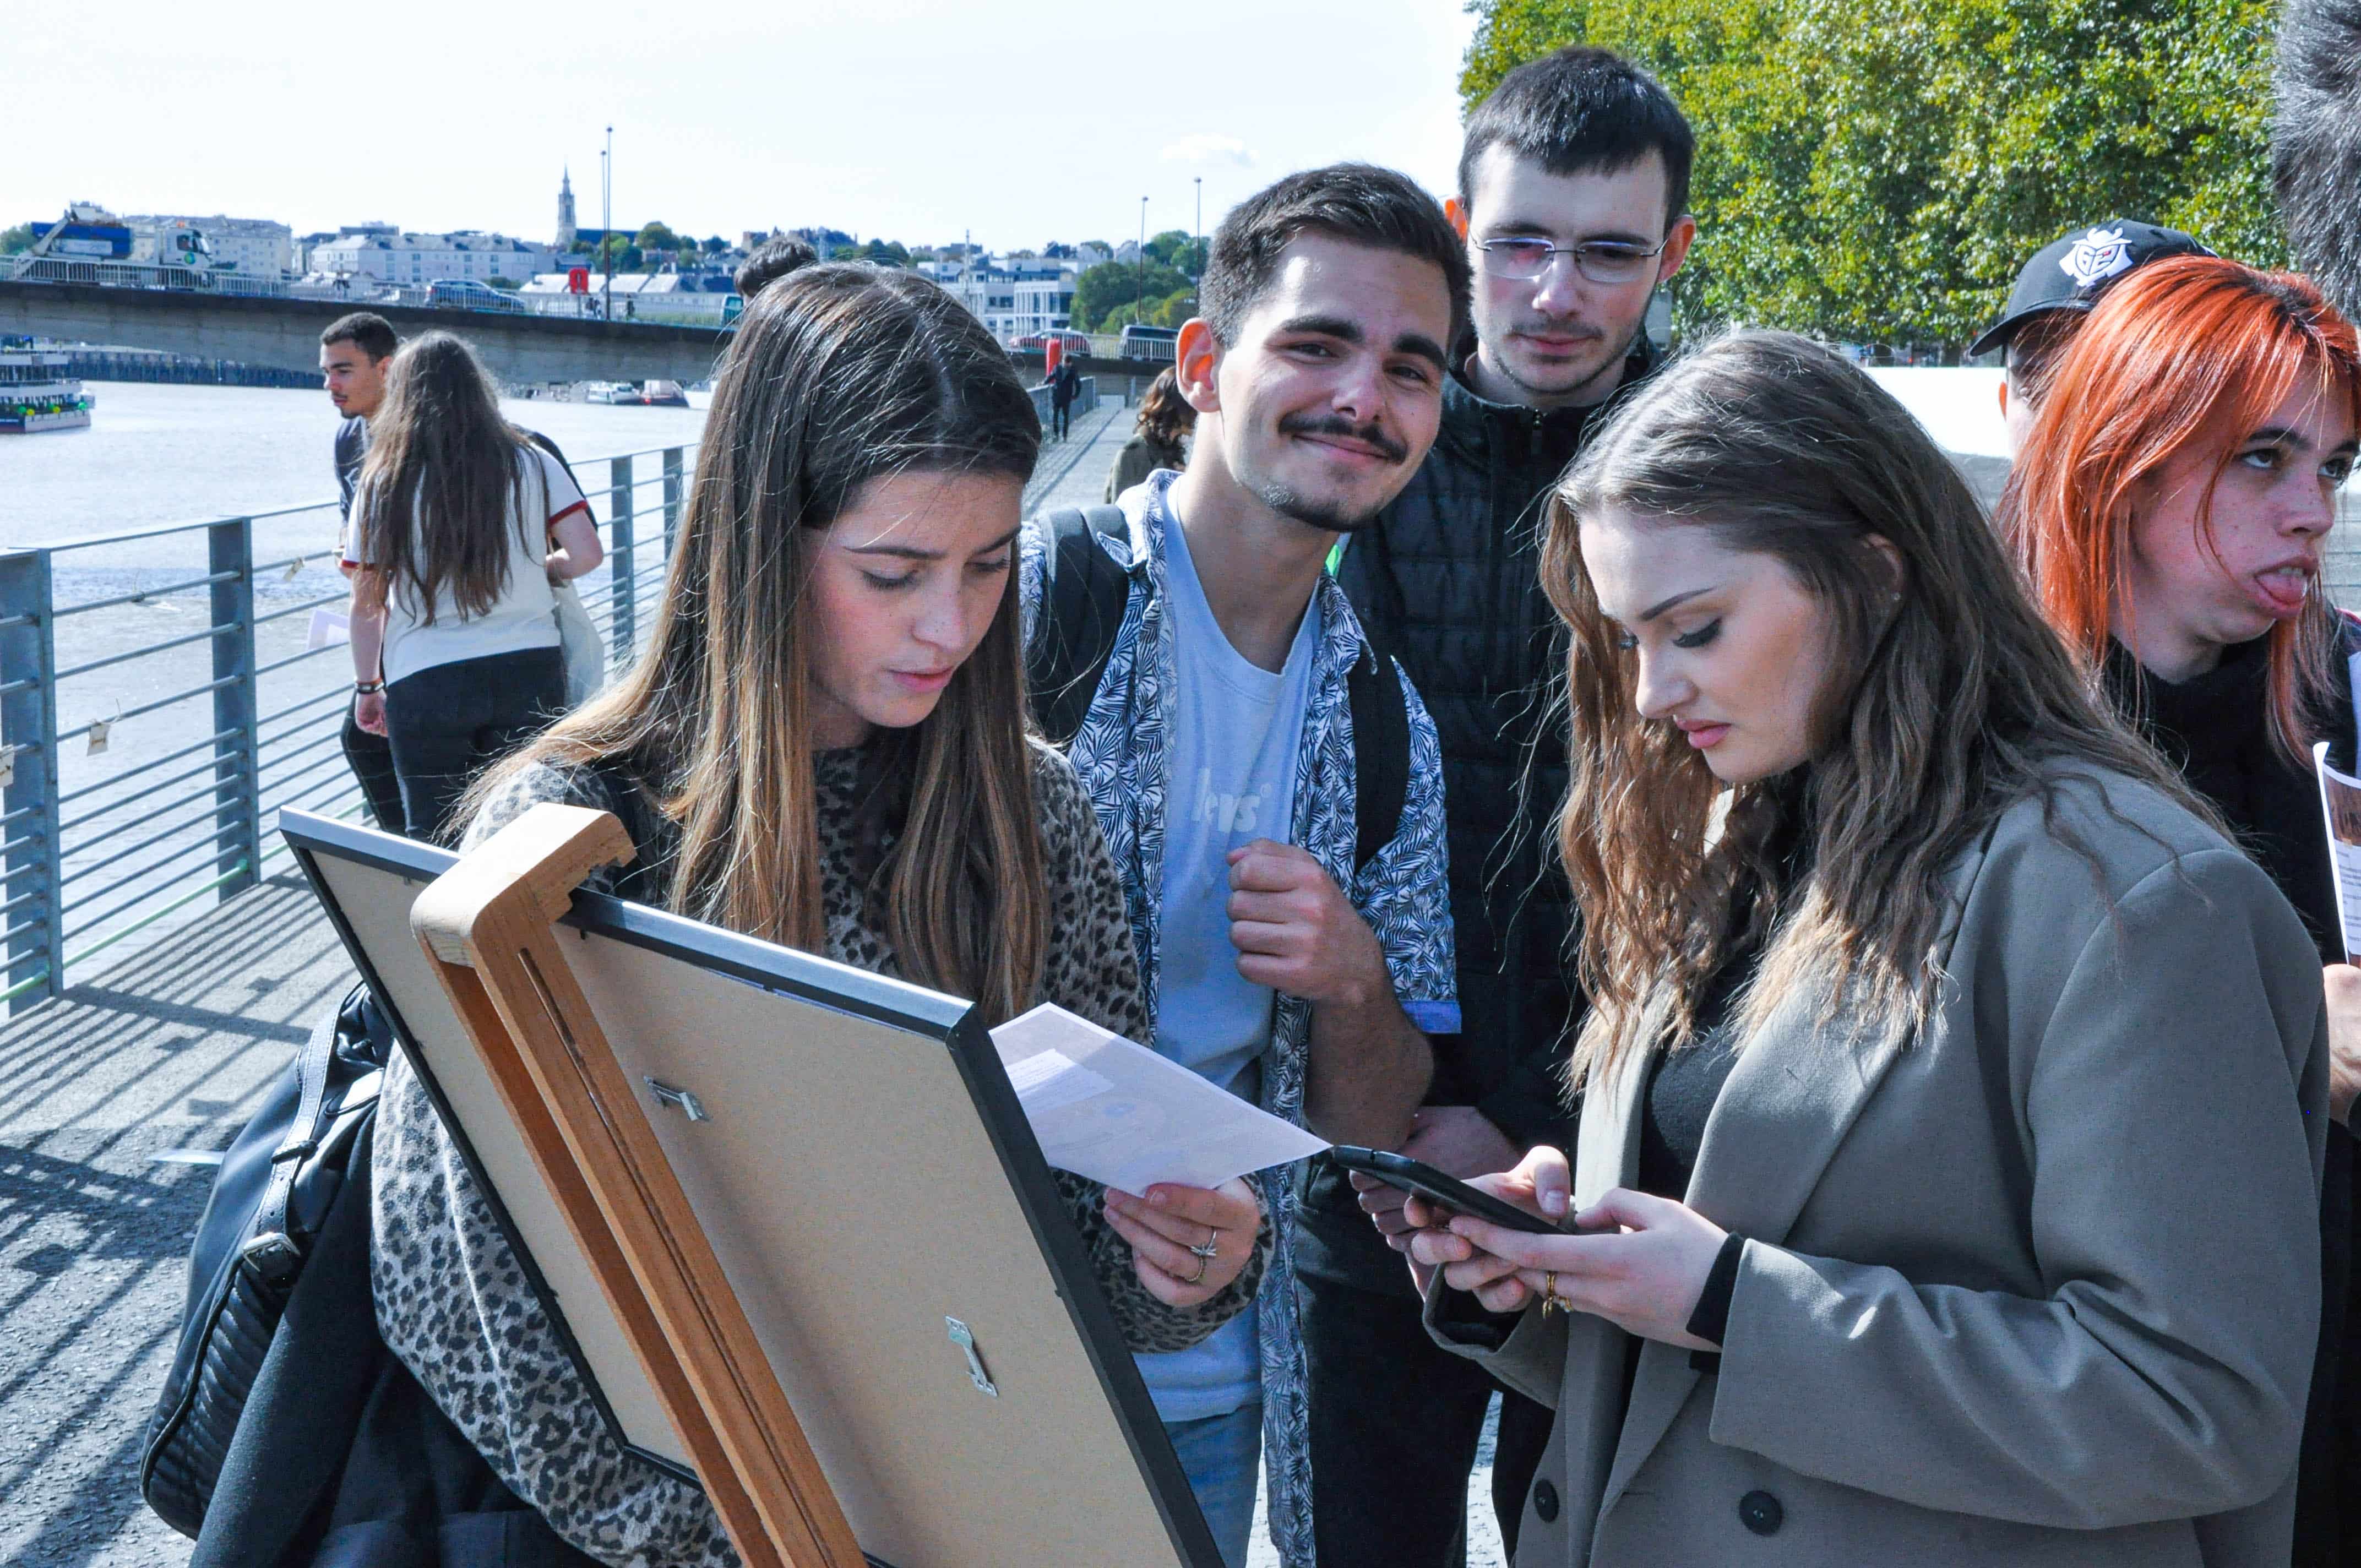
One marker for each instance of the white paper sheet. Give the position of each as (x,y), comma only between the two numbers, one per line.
(2340,804)
(1117,1112)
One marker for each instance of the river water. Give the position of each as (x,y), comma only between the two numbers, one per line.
(157,454)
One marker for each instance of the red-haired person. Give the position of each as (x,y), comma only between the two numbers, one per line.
(2169,508)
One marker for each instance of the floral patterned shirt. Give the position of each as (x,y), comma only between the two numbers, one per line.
(1402,892)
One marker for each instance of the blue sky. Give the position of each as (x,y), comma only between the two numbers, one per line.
(913,119)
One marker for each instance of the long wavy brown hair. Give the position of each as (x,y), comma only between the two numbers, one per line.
(444,482)
(1942,707)
(2195,351)
(1165,416)
(839,375)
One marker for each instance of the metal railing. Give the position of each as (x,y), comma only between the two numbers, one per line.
(141,763)
(137,275)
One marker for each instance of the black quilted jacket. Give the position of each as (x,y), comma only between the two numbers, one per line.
(1448,581)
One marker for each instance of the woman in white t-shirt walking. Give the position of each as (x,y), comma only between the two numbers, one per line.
(460,524)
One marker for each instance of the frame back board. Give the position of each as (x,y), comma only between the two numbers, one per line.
(866,1178)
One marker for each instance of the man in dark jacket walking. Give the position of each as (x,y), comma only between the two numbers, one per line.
(1573,197)
(1065,386)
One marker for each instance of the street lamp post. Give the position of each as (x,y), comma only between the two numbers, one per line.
(607,226)
(1197,238)
(1139,293)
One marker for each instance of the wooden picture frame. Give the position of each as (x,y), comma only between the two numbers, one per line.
(769,1298)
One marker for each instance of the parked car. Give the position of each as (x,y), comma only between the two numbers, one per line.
(466,295)
(1149,342)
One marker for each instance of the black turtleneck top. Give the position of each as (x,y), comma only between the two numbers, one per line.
(2216,730)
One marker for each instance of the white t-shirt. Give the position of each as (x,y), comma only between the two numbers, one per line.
(522,618)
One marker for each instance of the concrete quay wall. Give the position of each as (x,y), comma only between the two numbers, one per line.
(519,349)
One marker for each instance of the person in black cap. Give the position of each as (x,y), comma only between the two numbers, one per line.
(2052,296)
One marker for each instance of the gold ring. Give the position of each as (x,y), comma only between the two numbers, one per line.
(1213,1244)
(1550,1300)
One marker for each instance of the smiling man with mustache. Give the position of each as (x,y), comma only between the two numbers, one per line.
(1292,954)
(1573,204)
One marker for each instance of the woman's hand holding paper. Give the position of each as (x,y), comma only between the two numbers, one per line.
(1188,1243)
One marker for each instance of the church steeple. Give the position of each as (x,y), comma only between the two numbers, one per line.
(566,212)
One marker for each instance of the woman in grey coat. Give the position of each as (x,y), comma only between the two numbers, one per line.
(1953,1087)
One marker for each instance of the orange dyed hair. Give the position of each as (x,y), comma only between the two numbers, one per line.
(2197,349)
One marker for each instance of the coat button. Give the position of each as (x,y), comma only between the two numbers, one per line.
(1760,1512)
(1545,1501)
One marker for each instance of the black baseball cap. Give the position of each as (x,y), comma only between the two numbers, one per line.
(2072,274)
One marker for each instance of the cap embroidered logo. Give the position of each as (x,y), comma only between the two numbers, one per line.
(2097,256)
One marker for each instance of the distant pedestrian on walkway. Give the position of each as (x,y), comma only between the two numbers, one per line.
(1165,421)
(1065,386)
(353,353)
(456,653)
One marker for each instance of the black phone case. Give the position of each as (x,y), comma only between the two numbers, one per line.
(1415,1176)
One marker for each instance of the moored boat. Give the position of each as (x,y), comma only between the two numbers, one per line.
(36,393)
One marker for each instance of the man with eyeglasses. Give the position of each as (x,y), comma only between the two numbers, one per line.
(1573,199)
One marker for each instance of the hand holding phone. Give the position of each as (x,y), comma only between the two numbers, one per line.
(1449,1193)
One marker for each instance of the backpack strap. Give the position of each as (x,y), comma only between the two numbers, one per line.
(1380,753)
(1083,596)
(268,1250)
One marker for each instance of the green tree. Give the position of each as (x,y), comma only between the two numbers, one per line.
(1880,173)
(1099,289)
(658,236)
(15,239)
(509,284)
(1160,248)
(715,244)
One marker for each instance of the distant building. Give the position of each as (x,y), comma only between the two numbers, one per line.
(565,212)
(1091,253)
(249,245)
(1014,297)
(416,260)
(695,297)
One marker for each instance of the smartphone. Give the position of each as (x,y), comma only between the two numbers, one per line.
(1415,1176)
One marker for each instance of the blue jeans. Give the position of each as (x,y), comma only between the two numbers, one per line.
(1222,1456)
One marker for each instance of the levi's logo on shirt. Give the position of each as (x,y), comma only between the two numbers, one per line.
(1227,813)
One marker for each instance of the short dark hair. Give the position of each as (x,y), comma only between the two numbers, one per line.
(771,261)
(364,329)
(1583,109)
(1357,202)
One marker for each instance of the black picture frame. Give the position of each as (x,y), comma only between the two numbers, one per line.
(955,1025)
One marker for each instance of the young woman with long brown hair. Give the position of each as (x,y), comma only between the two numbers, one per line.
(825,745)
(1165,421)
(2170,509)
(460,526)
(1945,1187)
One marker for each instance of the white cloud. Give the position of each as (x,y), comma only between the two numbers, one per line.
(1207,147)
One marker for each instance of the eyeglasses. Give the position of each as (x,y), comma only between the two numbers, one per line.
(1600,260)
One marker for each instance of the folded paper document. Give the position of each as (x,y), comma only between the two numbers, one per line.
(1117,1112)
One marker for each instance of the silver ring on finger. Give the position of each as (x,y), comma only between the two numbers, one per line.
(1211,1248)
(1203,1264)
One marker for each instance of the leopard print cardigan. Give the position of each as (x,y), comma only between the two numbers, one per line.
(452,1303)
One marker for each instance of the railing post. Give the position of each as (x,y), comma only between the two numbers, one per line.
(237,760)
(622,573)
(28,725)
(672,492)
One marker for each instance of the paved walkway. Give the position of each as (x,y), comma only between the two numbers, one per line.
(1073,472)
(100,1091)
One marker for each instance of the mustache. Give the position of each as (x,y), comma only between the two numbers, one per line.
(1335,425)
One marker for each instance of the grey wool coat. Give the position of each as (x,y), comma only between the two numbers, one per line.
(2039,1285)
